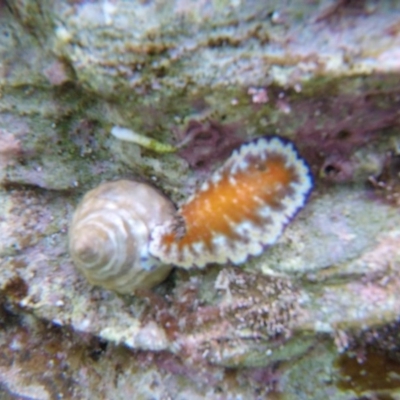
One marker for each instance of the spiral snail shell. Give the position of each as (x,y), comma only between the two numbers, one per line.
(109,235)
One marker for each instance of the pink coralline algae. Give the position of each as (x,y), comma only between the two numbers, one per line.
(204,144)
(338,127)
(258,95)
(243,207)
(56,73)
(10,148)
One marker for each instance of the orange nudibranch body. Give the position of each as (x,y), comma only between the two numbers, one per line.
(242,208)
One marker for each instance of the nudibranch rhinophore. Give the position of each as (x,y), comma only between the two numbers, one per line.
(242,208)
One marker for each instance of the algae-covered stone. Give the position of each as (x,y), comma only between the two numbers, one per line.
(200,77)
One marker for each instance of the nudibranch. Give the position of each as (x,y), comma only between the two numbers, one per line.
(241,209)
(109,235)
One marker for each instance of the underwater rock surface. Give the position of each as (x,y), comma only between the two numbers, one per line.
(308,319)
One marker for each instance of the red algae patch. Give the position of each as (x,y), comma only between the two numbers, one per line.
(243,207)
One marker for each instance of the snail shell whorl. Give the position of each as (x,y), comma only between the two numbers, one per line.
(110,231)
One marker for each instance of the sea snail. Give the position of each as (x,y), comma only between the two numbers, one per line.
(109,235)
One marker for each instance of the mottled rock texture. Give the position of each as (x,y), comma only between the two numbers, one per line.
(309,319)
